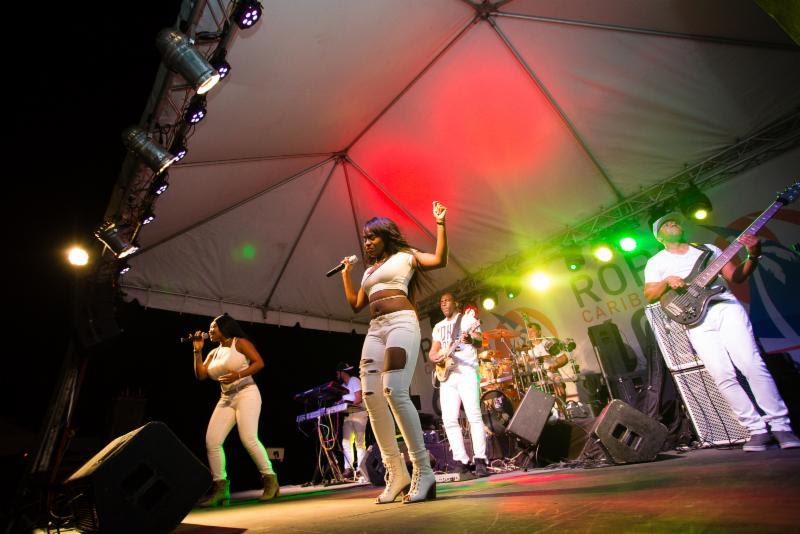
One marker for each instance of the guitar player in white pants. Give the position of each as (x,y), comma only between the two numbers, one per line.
(462,384)
(724,337)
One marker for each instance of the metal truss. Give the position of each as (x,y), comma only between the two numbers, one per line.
(767,143)
(206,23)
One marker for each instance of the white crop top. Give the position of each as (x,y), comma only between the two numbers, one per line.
(394,273)
(229,360)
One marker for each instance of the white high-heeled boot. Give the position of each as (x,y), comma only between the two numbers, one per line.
(397,479)
(423,482)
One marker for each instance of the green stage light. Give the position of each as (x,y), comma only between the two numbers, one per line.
(628,244)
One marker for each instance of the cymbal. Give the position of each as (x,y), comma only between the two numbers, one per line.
(499,333)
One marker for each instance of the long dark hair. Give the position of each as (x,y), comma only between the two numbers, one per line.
(394,242)
(229,327)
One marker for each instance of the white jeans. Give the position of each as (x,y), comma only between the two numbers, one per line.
(241,408)
(354,431)
(725,339)
(462,386)
(386,392)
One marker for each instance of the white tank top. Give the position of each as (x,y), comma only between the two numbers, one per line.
(229,360)
(394,273)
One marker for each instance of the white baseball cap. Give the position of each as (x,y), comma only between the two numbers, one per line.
(671,216)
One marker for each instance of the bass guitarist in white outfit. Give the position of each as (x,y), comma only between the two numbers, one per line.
(723,339)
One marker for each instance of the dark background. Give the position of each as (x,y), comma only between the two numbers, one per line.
(79,74)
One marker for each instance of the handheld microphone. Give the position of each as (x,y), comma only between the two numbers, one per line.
(190,337)
(351,260)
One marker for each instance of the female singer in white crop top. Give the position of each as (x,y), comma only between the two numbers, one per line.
(232,363)
(390,350)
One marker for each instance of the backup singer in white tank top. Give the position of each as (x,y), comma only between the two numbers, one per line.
(232,363)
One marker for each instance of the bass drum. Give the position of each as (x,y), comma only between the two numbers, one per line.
(497,411)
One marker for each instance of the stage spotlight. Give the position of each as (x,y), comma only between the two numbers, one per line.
(694,204)
(513,291)
(574,261)
(539,281)
(603,253)
(109,234)
(247,13)
(219,62)
(195,111)
(178,149)
(489,302)
(77,256)
(181,56)
(149,217)
(159,185)
(627,243)
(151,153)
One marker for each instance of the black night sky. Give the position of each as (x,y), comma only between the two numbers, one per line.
(84,74)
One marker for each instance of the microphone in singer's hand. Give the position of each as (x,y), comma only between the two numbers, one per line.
(351,260)
(190,337)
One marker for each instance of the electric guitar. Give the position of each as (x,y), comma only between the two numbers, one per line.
(448,363)
(688,305)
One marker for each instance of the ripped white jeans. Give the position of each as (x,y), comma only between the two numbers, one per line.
(386,391)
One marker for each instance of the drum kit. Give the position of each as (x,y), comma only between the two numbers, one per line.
(506,375)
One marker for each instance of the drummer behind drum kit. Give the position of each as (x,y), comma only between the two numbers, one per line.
(506,376)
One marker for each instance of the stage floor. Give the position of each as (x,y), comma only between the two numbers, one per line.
(697,491)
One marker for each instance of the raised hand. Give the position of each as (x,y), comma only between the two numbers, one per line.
(439,211)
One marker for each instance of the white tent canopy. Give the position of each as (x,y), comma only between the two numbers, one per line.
(523,122)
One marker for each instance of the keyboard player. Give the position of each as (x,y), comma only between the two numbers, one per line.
(354,426)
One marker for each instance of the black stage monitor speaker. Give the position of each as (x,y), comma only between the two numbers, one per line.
(628,435)
(564,440)
(143,481)
(532,414)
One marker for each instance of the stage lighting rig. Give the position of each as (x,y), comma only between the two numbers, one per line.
(180,55)
(179,150)
(489,301)
(603,253)
(574,260)
(149,216)
(195,111)
(247,13)
(151,153)
(219,62)
(159,185)
(512,291)
(694,204)
(110,235)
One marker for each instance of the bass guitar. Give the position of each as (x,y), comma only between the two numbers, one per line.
(688,305)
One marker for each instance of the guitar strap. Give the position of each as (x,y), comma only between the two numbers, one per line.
(456,330)
(702,261)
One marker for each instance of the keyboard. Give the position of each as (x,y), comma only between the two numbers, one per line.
(336,408)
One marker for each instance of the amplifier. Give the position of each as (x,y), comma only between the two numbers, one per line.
(711,415)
